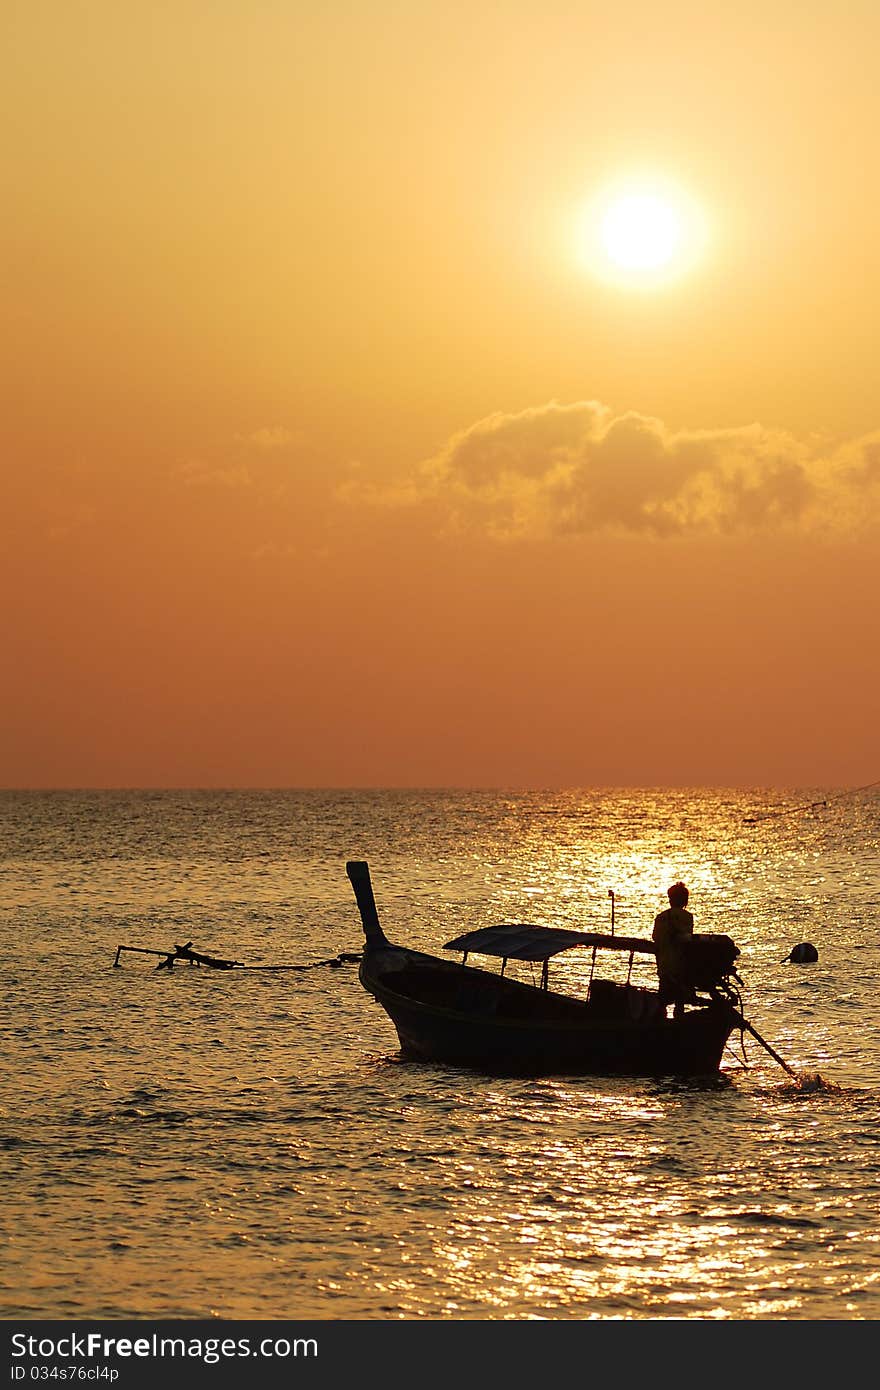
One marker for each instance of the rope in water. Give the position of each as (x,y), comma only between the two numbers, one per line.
(344,958)
(186,955)
(808,805)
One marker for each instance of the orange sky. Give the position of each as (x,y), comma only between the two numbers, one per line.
(328,462)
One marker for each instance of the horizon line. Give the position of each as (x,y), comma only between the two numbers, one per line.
(505,788)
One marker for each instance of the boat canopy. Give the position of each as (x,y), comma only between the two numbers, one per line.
(525,941)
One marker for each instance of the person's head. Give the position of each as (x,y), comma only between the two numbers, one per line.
(677,895)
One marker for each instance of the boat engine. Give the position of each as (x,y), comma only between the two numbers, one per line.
(709,962)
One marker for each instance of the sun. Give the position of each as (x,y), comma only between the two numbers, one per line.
(641,232)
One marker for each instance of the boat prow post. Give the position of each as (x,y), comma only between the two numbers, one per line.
(359,873)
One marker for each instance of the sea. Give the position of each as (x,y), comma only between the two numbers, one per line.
(195,1143)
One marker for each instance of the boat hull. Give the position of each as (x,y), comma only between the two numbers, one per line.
(466,1017)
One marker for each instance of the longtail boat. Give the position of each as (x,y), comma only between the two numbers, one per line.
(451,1012)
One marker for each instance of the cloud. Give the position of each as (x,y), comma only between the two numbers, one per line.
(253,460)
(198,473)
(577,470)
(269,438)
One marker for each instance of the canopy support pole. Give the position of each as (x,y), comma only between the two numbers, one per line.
(592,968)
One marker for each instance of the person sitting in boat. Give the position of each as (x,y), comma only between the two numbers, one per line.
(672,929)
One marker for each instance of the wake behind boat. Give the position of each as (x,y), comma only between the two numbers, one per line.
(448,1011)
